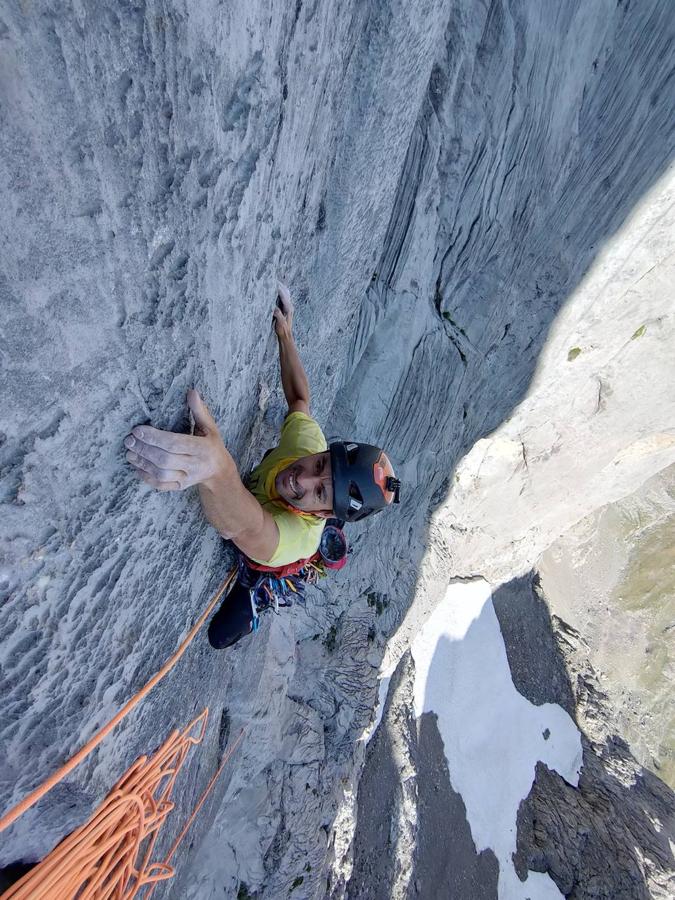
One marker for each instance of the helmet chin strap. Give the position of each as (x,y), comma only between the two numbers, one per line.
(303,512)
(291,508)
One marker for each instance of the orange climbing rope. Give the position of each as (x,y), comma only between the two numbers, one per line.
(111,855)
(209,787)
(46,786)
(109,858)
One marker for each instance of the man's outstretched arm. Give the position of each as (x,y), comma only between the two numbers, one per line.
(173,462)
(293,377)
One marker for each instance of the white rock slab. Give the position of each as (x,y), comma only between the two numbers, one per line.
(493,736)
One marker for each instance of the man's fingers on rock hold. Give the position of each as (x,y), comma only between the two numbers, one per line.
(158,485)
(162,458)
(167,440)
(284,298)
(161,476)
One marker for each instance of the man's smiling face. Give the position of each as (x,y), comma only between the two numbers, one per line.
(307,484)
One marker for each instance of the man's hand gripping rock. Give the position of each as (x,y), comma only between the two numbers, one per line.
(283,312)
(172,462)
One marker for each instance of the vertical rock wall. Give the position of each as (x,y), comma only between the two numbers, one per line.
(434,182)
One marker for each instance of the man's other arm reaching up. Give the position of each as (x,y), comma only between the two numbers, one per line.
(293,377)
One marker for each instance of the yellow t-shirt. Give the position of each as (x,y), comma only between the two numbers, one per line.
(299,535)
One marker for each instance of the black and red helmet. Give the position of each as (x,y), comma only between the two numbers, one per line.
(363,480)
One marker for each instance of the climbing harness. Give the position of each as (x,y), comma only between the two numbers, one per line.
(274,588)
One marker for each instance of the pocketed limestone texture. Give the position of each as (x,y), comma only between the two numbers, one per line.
(473,207)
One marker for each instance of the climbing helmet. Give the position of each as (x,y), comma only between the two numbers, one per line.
(363,480)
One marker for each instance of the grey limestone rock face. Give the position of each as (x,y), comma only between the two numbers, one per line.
(612,835)
(412,837)
(473,207)
(606,839)
(611,579)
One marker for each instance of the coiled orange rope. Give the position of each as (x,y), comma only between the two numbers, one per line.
(101,859)
(110,856)
(46,786)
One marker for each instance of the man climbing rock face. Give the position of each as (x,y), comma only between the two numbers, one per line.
(278,518)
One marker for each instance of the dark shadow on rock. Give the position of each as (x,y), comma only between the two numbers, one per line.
(444,858)
(379,793)
(446,863)
(592,840)
(537,666)
(557,181)
(9,875)
(599,841)
(603,839)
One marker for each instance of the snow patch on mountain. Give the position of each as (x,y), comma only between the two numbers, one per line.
(493,736)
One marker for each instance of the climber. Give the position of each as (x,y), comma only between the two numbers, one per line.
(278,518)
